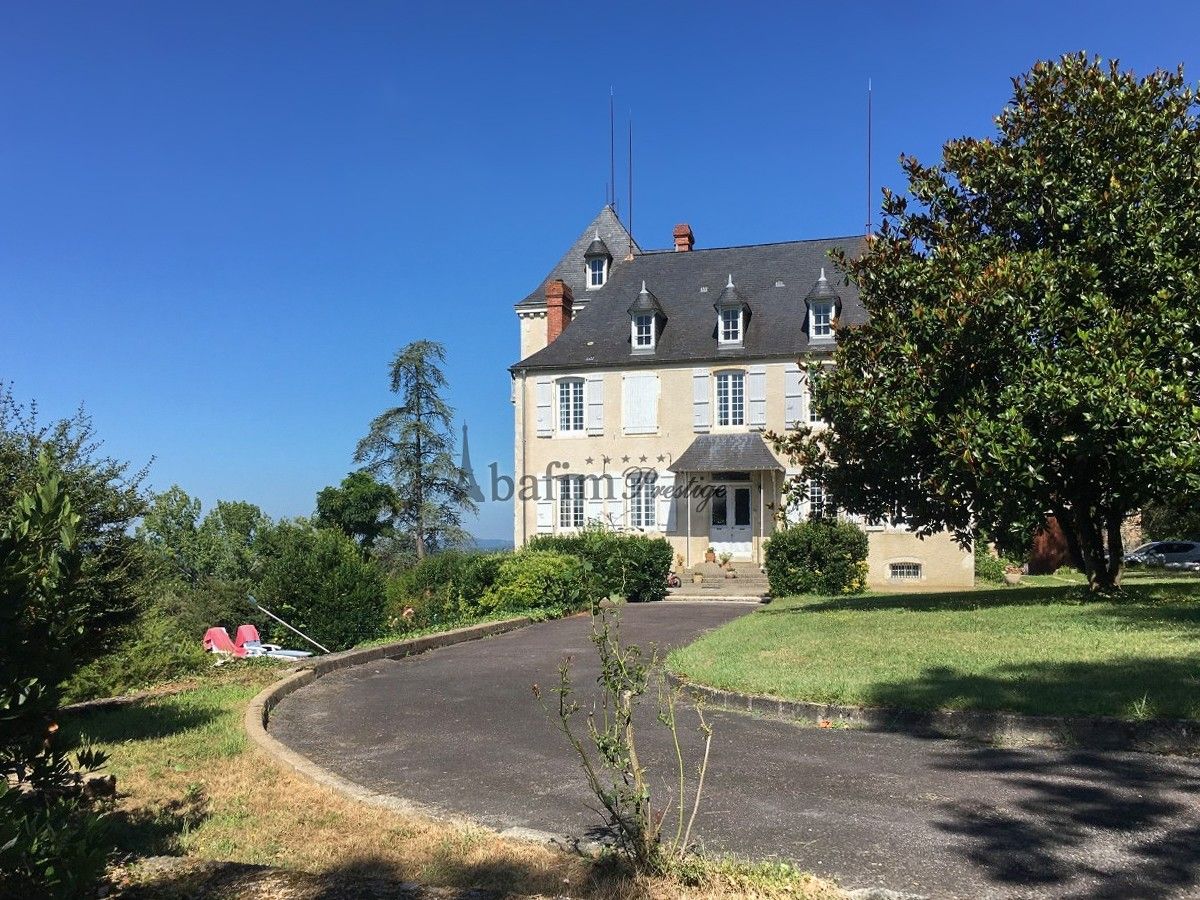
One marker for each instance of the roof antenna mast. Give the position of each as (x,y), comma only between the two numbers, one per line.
(612,152)
(631,185)
(869,228)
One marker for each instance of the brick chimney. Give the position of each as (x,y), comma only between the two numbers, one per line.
(559,301)
(683,237)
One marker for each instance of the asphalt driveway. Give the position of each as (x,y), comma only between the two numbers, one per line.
(458,730)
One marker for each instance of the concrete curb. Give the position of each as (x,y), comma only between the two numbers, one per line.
(1174,736)
(258,712)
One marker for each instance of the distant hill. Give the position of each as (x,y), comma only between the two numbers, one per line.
(493,544)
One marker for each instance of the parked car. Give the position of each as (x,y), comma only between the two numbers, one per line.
(1167,554)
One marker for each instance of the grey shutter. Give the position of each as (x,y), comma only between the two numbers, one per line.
(793,396)
(545,505)
(544,397)
(593,499)
(756,394)
(664,512)
(701,401)
(595,404)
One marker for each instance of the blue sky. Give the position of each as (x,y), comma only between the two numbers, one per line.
(218,221)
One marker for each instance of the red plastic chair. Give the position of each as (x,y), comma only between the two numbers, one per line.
(216,640)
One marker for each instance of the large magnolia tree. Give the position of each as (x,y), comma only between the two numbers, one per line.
(1034,312)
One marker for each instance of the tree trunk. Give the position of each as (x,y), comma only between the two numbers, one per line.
(1094,529)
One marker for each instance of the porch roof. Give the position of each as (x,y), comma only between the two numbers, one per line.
(727,453)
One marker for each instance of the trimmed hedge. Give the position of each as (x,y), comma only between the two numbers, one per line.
(632,566)
(541,581)
(817,557)
(441,589)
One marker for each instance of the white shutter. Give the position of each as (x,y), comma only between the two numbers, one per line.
(595,404)
(756,395)
(664,518)
(544,396)
(701,401)
(639,404)
(793,396)
(593,499)
(545,505)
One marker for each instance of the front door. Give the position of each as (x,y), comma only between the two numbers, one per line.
(729,530)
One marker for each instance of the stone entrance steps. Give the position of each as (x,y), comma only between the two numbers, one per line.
(746,581)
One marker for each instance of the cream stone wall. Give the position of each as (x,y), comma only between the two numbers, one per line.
(605,459)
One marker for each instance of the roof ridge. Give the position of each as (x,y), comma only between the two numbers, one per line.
(848,237)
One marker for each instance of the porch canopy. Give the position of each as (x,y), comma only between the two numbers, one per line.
(727,453)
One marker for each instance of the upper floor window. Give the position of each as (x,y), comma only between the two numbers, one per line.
(731,398)
(570,404)
(643,331)
(570,501)
(818,500)
(730,326)
(597,272)
(641,498)
(822,320)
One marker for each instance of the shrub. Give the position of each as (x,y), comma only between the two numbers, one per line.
(53,850)
(441,589)
(541,581)
(317,579)
(631,566)
(817,557)
(988,567)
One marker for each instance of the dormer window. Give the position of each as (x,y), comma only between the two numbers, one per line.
(822,302)
(597,272)
(646,318)
(643,331)
(731,326)
(597,261)
(732,315)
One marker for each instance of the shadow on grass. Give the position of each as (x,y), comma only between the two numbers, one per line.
(1133,812)
(1174,601)
(140,722)
(1126,687)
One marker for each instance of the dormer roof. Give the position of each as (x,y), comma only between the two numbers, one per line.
(597,249)
(822,291)
(645,302)
(730,297)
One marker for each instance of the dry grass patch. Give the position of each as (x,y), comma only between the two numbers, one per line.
(192,786)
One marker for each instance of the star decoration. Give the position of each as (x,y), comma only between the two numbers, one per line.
(624,459)
(588,460)
(643,459)
(662,458)
(606,459)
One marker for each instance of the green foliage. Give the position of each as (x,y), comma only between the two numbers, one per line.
(227,541)
(169,532)
(1177,518)
(317,580)
(361,507)
(988,567)
(410,448)
(442,589)
(57,850)
(821,556)
(630,566)
(541,581)
(1033,334)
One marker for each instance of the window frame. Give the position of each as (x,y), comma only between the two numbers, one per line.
(580,416)
(718,376)
(591,273)
(738,321)
(914,567)
(573,516)
(640,486)
(826,309)
(634,336)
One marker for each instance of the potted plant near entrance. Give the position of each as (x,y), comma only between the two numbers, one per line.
(710,555)
(1012,574)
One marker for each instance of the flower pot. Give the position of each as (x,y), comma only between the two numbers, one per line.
(697,578)
(1012,577)
(710,556)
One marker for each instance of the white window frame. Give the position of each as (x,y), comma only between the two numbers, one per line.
(571,513)
(591,273)
(816,490)
(575,419)
(820,324)
(643,499)
(726,335)
(735,401)
(635,336)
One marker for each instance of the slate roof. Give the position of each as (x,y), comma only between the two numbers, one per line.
(726,453)
(773,279)
(570,268)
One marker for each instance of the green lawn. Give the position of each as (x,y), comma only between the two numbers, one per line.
(1044,648)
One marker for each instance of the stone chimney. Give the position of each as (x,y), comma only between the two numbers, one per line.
(559,301)
(683,237)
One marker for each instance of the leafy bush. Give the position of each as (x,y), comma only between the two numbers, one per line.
(541,581)
(53,850)
(441,589)
(317,579)
(632,566)
(817,557)
(988,567)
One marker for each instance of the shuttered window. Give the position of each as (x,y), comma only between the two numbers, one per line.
(641,499)
(570,404)
(570,501)
(639,406)
(731,398)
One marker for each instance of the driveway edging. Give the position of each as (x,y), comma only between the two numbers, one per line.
(1174,736)
(258,712)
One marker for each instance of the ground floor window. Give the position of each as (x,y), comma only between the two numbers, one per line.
(904,571)
(570,501)
(641,499)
